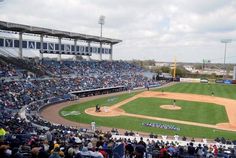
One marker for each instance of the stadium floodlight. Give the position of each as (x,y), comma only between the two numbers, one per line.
(225,41)
(101,21)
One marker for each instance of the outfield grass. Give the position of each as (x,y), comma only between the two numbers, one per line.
(220,90)
(135,124)
(191,111)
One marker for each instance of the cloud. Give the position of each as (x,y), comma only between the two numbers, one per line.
(150,29)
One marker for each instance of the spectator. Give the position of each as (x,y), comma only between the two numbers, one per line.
(55,153)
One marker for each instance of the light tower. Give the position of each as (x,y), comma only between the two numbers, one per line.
(101,21)
(225,41)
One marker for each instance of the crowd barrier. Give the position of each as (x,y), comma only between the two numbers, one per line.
(165,140)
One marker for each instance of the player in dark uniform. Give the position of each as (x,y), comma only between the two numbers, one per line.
(98,108)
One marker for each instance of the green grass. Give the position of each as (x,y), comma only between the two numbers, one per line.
(220,90)
(191,111)
(106,101)
(130,123)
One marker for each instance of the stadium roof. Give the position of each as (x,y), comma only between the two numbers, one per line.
(56,33)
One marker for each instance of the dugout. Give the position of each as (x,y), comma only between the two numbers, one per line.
(99,91)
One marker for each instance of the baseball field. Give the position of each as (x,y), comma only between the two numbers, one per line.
(189,107)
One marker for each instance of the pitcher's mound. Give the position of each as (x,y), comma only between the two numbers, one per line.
(105,112)
(170,107)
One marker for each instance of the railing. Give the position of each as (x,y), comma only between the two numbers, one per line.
(180,142)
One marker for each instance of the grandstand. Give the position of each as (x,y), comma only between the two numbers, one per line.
(50,47)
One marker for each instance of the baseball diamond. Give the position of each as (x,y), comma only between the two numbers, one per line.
(117,111)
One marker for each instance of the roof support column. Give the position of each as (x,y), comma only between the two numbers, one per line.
(100,53)
(75,45)
(89,51)
(59,55)
(20,54)
(41,48)
(111,49)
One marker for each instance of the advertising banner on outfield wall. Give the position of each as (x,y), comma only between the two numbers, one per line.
(204,80)
(191,80)
(219,81)
(233,81)
(227,81)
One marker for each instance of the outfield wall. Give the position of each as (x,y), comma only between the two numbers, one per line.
(190,80)
(198,80)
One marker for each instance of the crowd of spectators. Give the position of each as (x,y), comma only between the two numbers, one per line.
(64,142)
(99,74)
(55,142)
(158,148)
(16,94)
(7,70)
(84,75)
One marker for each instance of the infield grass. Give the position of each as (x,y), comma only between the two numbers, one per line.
(190,111)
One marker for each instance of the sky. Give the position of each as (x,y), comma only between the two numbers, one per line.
(188,30)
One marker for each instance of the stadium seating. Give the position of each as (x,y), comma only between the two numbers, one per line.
(34,137)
